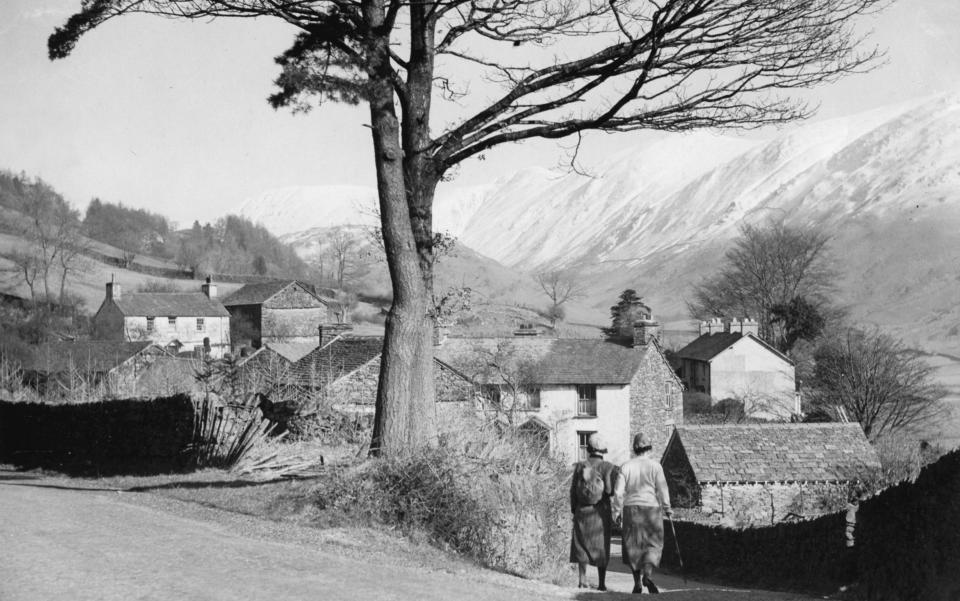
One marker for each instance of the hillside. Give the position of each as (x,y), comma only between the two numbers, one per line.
(883,184)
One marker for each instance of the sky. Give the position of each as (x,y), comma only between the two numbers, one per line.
(171,116)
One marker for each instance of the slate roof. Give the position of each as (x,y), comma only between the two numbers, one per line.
(96,356)
(169,304)
(259,293)
(551,360)
(342,356)
(291,351)
(776,452)
(708,346)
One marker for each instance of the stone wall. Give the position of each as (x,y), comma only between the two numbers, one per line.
(771,502)
(656,399)
(291,324)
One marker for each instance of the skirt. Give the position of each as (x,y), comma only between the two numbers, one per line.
(590,540)
(642,536)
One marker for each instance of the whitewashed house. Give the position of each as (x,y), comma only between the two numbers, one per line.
(730,361)
(177,321)
(564,390)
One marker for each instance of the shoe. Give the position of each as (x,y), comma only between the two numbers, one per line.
(651,587)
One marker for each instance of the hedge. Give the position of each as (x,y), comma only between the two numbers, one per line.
(102,438)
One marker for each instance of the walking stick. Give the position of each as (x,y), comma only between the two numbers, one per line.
(676,544)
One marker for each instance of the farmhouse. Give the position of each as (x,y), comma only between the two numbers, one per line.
(177,321)
(278,311)
(729,360)
(122,368)
(567,389)
(763,473)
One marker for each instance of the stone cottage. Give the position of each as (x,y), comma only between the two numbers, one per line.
(280,311)
(764,473)
(177,321)
(566,389)
(729,360)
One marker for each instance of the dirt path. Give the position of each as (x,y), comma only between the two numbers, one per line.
(58,542)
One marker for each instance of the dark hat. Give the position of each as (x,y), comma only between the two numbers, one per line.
(641,443)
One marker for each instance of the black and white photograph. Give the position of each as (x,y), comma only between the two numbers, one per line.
(479,300)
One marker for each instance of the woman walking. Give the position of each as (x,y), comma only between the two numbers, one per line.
(590,494)
(641,492)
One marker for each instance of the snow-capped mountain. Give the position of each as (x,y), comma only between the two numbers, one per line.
(885,184)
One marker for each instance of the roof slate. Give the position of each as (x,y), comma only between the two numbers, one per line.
(96,356)
(342,356)
(169,304)
(777,452)
(708,346)
(259,293)
(291,351)
(550,360)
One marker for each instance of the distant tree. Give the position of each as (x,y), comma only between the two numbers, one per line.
(768,267)
(52,230)
(668,65)
(879,382)
(628,310)
(560,287)
(259,265)
(798,320)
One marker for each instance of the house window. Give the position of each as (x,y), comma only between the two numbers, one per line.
(172,322)
(582,438)
(668,395)
(491,393)
(199,324)
(150,324)
(587,400)
(533,398)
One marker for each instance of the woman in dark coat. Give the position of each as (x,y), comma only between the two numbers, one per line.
(590,541)
(641,492)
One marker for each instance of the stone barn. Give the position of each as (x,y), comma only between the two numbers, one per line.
(765,473)
(287,311)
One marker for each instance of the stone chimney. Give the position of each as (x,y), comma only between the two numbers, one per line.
(209,288)
(644,331)
(329,331)
(113,290)
(715,326)
(735,326)
(750,326)
(526,329)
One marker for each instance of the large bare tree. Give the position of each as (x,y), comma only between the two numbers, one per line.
(769,268)
(557,68)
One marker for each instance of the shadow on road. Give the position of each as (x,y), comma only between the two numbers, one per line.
(206,484)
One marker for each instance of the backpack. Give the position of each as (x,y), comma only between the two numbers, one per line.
(588,485)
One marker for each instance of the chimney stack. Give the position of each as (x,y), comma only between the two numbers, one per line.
(644,331)
(750,326)
(329,331)
(209,288)
(113,290)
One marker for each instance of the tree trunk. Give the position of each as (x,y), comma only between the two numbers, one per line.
(405,397)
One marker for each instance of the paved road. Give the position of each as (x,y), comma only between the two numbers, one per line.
(62,543)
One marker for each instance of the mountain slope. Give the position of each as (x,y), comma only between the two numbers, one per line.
(884,184)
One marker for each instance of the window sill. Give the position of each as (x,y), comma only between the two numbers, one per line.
(584,417)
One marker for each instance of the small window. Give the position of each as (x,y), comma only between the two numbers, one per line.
(582,438)
(491,392)
(172,322)
(668,395)
(150,324)
(199,324)
(533,398)
(587,400)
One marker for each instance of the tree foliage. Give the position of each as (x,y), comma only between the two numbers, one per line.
(628,310)
(134,231)
(764,274)
(879,382)
(605,65)
(798,319)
